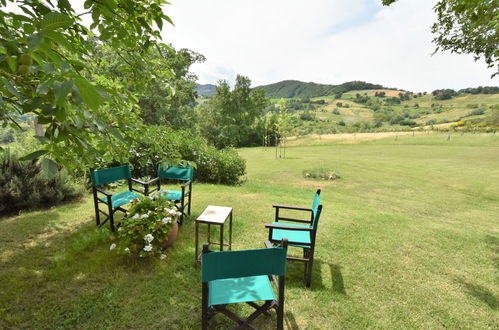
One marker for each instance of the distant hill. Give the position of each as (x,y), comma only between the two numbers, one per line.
(206,90)
(295,88)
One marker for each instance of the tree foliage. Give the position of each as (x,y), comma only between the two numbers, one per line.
(469,27)
(294,88)
(47,61)
(231,116)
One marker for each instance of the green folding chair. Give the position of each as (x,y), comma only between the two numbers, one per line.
(182,197)
(113,202)
(301,233)
(231,277)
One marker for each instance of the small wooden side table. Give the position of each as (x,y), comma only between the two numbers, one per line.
(214,215)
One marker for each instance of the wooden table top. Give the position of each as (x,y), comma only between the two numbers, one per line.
(215,214)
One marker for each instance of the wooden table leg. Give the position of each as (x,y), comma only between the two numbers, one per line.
(221,237)
(230,232)
(197,242)
(209,234)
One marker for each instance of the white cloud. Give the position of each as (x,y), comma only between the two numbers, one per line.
(327,41)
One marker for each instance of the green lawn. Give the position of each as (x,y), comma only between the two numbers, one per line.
(409,238)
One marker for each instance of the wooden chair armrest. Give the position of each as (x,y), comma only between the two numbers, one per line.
(292,207)
(186,184)
(102,191)
(272,226)
(144,183)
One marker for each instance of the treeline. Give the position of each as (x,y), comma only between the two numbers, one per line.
(299,89)
(447,94)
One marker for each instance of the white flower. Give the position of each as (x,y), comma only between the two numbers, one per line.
(166,220)
(112,247)
(119,229)
(127,250)
(148,238)
(172,212)
(163,256)
(136,216)
(128,214)
(143,216)
(148,248)
(151,197)
(179,213)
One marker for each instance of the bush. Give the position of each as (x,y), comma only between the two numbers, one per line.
(477,112)
(155,144)
(24,186)
(307,116)
(6,135)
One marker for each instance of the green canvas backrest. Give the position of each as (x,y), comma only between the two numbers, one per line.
(111,174)
(176,172)
(233,264)
(317,208)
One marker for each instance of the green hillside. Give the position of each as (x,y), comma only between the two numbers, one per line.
(295,88)
(387,110)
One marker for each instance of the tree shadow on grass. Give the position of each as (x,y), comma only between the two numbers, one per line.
(481,293)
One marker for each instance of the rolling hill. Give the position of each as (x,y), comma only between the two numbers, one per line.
(299,89)
(206,90)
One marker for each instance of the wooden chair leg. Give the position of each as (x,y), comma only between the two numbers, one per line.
(308,269)
(96,205)
(204,308)
(111,218)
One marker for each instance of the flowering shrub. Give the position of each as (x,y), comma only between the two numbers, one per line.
(146,227)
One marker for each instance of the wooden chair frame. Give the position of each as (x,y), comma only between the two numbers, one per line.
(181,204)
(109,216)
(308,248)
(208,312)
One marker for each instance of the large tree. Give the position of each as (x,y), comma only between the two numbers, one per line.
(47,62)
(469,27)
(230,117)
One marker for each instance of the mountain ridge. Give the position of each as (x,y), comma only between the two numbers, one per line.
(299,89)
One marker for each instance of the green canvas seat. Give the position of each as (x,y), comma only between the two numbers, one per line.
(172,195)
(182,197)
(121,198)
(230,277)
(113,202)
(238,290)
(303,237)
(300,233)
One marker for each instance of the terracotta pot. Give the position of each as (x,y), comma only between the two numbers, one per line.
(171,236)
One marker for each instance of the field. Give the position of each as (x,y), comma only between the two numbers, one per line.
(422,109)
(409,238)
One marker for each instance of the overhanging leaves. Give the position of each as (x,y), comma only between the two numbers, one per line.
(88,93)
(34,155)
(56,20)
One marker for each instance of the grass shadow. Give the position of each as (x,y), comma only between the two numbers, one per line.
(481,293)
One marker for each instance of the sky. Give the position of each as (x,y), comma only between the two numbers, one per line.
(323,41)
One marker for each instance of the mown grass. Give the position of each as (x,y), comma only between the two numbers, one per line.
(408,238)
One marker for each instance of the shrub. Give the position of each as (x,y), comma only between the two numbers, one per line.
(321,173)
(24,186)
(477,112)
(154,144)
(307,116)
(6,135)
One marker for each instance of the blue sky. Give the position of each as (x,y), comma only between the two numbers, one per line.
(325,41)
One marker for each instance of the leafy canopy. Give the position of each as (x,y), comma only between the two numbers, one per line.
(47,68)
